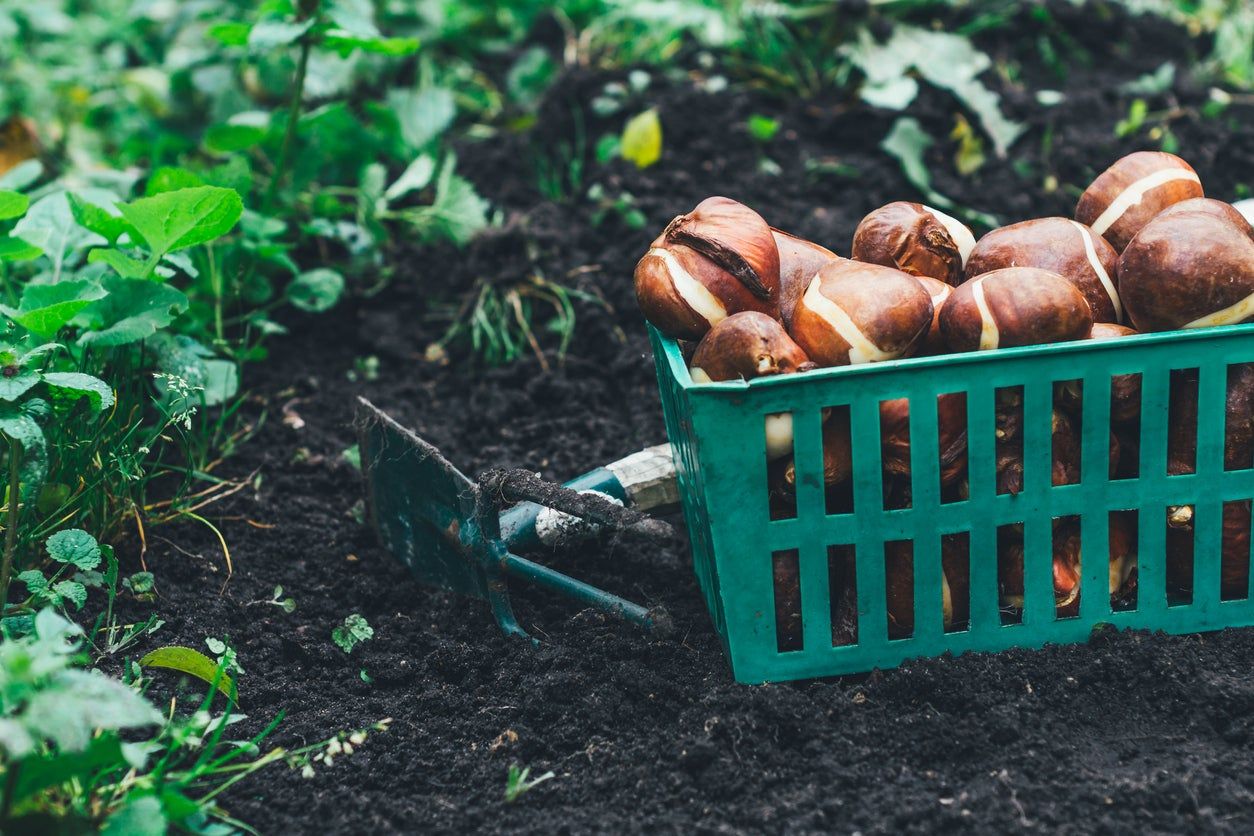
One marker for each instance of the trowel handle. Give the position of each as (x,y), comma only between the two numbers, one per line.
(644,481)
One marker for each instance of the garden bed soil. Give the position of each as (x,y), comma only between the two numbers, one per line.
(1129,732)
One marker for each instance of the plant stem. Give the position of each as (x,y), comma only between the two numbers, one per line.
(10,530)
(293,116)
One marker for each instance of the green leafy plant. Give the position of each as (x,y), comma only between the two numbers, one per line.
(352,632)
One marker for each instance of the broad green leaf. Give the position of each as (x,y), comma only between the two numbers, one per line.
(416,176)
(74,546)
(171,179)
(191,662)
(22,175)
(316,290)
(228,139)
(15,382)
(35,582)
(49,225)
(530,76)
(12,205)
(47,308)
(642,139)
(176,220)
(133,310)
(422,115)
(71,591)
(50,770)
(345,42)
(68,388)
(121,262)
(15,249)
(271,34)
(907,142)
(944,59)
(141,815)
(230,33)
(212,381)
(98,219)
(352,632)
(78,703)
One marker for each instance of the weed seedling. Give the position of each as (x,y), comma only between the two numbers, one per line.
(518,782)
(352,632)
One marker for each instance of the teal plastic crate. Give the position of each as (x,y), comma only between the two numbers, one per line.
(717,434)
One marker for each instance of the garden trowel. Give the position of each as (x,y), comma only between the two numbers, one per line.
(451,533)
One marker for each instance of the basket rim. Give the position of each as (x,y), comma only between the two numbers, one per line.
(679,369)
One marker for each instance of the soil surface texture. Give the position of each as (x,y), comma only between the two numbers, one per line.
(1127,733)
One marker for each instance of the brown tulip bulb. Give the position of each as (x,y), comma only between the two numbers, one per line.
(1125,389)
(717,260)
(861,313)
(1126,196)
(799,260)
(748,345)
(744,346)
(1014,306)
(1234,561)
(914,238)
(951,423)
(1063,246)
(1068,556)
(934,342)
(1065,567)
(837,452)
(1188,270)
(1207,206)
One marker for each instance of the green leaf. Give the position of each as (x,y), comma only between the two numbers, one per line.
(171,179)
(22,175)
(228,138)
(642,139)
(121,262)
(907,142)
(23,429)
(944,59)
(352,632)
(50,770)
(422,115)
(98,219)
(230,33)
(49,225)
(345,42)
(176,220)
(74,546)
(271,34)
(530,77)
(133,310)
(68,388)
(15,249)
(191,662)
(316,290)
(79,703)
(141,583)
(35,582)
(12,205)
(17,384)
(212,381)
(45,309)
(762,128)
(415,177)
(142,815)
(71,591)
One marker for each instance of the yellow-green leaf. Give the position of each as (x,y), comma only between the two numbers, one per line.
(642,139)
(191,662)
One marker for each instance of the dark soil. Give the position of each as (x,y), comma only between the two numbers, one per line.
(1130,732)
